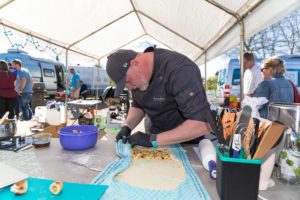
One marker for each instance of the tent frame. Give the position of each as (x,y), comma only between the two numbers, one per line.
(202,50)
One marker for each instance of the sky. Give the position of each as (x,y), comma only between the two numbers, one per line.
(213,66)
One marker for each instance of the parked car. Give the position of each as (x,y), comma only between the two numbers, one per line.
(229,77)
(50,72)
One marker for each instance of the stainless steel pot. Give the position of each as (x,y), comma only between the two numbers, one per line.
(8,130)
(289,162)
(289,115)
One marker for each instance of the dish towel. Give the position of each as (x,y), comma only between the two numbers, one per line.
(191,188)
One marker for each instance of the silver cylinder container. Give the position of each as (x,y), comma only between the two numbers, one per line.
(8,130)
(289,115)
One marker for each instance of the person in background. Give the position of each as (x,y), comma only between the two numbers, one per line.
(296,92)
(276,89)
(166,86)
(83,90)
(252,75)
(24,88)
(8,94)
(75,84)
(267,74)
(17,104)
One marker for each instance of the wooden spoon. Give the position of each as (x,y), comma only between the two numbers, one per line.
(4,117)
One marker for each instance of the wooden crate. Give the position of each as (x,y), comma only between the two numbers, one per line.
(53,129)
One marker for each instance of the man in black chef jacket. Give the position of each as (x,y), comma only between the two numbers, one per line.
(165,85)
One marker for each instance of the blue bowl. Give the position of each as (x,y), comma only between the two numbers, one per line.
(78,137)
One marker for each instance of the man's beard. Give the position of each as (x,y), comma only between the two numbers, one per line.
(145,85)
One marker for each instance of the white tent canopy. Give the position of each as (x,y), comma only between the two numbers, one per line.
(98,27)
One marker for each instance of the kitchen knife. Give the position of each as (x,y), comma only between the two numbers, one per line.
(242,122)
(215,124)
(254,139)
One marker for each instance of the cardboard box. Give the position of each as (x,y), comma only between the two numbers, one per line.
(54,129)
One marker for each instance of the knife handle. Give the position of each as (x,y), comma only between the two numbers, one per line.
(212,169)
(235,154)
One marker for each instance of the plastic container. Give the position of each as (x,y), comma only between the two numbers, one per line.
(237,178)
(55,114)
(41,140)
(208,156)
(78,137)
(62,110)
(53,117)
(289,168)
(7,129)
(40,113)
(265,180)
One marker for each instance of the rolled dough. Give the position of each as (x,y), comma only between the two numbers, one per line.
(153,174)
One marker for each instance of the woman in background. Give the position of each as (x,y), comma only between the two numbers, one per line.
(275,87)
(7,90)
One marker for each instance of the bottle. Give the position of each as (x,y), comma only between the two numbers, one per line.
(208,157)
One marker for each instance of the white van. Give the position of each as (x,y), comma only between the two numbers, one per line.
(228,81)
(93,80)
(50,72)
(229,77)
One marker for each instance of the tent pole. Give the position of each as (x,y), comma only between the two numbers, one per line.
(5,3)
(67,85)
(97,92)
(242,38)
(239,19)
(218,37)
(205,72)
(96,31)
(162,42)
(122,46)
(169,29)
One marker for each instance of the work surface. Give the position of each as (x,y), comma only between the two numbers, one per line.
(84,103)
(56,163)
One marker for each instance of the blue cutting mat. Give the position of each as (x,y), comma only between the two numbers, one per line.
(39,189)
(191,188)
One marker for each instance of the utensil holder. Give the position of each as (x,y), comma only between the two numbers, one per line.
(237,178)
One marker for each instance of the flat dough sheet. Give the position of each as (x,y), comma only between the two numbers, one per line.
(153,174)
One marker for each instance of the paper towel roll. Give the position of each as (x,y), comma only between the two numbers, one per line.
(207,152)
(265,179)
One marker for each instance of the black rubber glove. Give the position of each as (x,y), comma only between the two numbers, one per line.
(123,134)
(140,139)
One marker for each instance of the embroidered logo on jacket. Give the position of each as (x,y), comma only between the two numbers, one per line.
(125,65)
(159,99)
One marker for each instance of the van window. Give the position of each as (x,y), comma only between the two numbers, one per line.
(222,76)
(236,77)
(48,72)
(34,70)
(293,75)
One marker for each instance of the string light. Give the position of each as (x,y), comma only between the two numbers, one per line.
(30,40)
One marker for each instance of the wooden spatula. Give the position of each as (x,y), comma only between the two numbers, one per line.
(4,117)
(270,137)
(261,128)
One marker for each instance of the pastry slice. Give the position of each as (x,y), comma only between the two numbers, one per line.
(56,187)
(20,187)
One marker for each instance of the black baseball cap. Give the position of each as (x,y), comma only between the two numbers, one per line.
(117,65)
